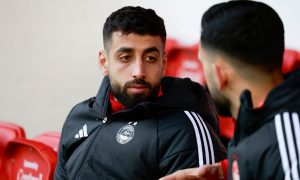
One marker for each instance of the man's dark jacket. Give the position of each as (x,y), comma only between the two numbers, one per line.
(266,144)
(178,130)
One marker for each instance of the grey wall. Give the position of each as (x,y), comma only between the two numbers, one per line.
(48,51)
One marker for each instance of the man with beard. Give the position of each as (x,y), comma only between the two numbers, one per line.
(140,125)
(242,45)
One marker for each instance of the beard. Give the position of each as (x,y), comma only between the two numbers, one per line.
(221,102)
(131,99)
(223,107)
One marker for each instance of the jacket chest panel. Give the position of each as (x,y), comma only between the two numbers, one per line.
(123,148)
(255,154)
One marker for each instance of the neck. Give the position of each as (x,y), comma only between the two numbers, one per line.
(259,88)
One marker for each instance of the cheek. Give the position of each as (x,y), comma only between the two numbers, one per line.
(207,75)
(118,72)
(210,81)
(116,77)
(161,68)
(155,74)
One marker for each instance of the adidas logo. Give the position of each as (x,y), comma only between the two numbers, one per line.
(82,132)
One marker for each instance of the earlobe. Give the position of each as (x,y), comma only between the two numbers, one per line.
(103,64)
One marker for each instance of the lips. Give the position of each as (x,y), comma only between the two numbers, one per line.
(137,88)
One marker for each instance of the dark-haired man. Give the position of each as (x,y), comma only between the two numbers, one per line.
(242,44)
(140,125)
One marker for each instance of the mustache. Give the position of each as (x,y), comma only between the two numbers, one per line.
(138,82)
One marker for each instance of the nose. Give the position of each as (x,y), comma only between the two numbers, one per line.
(139,69)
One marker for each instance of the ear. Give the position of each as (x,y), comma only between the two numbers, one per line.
(220,73)
(103,64)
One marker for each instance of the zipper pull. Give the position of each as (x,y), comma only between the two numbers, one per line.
(104,120)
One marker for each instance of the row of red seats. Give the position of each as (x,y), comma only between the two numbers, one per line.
(183,62)
(22,158)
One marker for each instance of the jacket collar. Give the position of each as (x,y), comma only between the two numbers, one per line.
(249,118)
(178,94)
(102,98)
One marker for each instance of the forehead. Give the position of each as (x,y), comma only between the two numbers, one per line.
(134,41)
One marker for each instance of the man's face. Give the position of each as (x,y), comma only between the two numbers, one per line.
(135,65)
(222,103)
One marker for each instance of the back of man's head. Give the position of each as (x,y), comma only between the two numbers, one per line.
(134,20)
(249,31)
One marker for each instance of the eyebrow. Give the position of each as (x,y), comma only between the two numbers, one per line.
(151,49)
(128,50)
(124,49)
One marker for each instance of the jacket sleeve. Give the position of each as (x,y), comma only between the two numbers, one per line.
(287,133)
(189,143)
(60,171)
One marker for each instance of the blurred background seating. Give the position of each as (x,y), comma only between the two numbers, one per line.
(22,158)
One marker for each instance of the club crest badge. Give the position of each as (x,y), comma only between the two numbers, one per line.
(235,170)
(125,134)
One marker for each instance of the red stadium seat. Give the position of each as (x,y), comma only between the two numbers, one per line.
(8,132)
(291,60)
(49,138)
(183,61)
(171,44)
(17,129)
(28,159)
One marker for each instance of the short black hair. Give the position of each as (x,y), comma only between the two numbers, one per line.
(246,30)
(137,20)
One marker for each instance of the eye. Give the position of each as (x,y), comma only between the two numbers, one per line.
(125,58)
(151,58)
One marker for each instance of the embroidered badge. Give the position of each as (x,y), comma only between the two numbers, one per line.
(235,170)
(125,134)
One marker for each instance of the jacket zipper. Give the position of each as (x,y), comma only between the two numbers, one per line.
(104,120)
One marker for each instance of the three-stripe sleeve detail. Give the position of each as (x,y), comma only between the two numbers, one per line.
(204,142)
(209,140)
(288,136)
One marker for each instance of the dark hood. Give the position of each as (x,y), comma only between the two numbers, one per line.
(178,94)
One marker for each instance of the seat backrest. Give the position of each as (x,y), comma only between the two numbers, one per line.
(19,130)
(291,60)
(28,159)
(49,138)
(8,132)
(183,61)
